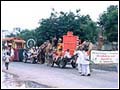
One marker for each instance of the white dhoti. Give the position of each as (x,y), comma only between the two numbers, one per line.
(85,69)
(79,68)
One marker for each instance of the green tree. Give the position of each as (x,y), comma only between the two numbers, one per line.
(59,23)
(27,34)
(109,22)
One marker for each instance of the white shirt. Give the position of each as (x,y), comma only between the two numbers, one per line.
(7,58)
(80,56)
(67,54)
(86,58)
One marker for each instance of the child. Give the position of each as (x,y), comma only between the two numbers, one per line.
(7,60)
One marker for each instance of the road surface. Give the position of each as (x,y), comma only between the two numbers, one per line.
(63,78)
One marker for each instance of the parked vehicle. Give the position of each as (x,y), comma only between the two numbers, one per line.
(28,56)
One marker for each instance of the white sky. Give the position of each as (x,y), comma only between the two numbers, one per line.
(26,14)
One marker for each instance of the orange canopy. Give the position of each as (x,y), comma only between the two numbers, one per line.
(14,39)
(19,41)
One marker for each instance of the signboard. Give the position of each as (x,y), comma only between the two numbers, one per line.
(104,57)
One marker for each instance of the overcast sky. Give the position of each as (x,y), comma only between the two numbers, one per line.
(26,14)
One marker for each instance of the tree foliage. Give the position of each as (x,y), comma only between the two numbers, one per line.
(59,23)
(28,34)
(109,22)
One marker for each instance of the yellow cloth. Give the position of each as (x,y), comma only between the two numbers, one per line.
(59,46)
(59,49)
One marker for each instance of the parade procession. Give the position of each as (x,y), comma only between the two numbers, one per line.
(66,50)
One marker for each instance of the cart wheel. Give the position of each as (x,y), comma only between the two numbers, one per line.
(62,63)
(73,64)
(52,63)
(24,60)
(36,60)
(32,61)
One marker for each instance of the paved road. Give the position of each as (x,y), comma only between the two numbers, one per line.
(106,67)
(10,81)
(63,78)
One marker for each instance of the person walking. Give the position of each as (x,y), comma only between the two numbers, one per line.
(7,60)
(85,63)
(79,58)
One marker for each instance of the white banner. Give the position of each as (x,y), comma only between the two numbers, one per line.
(104,57)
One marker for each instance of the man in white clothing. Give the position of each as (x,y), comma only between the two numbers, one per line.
(67,54)
(79,58)
(85,63)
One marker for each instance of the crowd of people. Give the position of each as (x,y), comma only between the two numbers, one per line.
(83,55)
(54,50)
